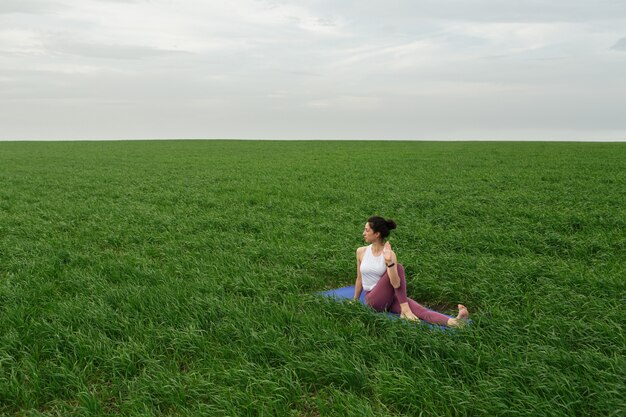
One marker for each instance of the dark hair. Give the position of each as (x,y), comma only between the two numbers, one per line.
(382,226)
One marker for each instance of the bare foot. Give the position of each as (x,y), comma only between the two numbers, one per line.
(463,313)
(461,318)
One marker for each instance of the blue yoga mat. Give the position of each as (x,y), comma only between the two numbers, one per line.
(344,293)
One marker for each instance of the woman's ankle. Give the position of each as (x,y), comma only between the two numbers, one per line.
(405,308)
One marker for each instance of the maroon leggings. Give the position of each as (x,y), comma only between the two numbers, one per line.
(384,297)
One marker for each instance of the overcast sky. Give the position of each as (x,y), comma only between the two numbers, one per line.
(324,69)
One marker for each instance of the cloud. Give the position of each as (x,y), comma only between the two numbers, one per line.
(402,11)
(21,42)
(358,103)
(516,37)
(30,6)
(323,67)
(620,45)
(122,52)
(395,55)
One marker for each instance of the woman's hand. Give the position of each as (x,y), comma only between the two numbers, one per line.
(387,253)
(409,316)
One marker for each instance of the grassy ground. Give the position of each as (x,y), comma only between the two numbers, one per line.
(175,278)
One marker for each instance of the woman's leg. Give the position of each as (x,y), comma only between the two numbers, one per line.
(384,294)
(385,297)
(422,312)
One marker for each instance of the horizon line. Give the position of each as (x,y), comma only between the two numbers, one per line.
(312,140)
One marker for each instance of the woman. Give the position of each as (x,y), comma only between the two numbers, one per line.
(382,278)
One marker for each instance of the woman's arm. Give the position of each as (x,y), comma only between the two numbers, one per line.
(391,259)
(358,285)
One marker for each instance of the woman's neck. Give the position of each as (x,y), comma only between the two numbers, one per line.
(377,246)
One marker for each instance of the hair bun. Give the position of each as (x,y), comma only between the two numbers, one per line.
(390,224)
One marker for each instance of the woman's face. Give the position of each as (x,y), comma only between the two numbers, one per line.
(369,235)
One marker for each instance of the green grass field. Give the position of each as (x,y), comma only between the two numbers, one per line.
(178,277)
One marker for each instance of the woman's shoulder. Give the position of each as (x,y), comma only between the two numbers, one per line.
(360,251)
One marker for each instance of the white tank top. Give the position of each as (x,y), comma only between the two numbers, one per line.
(372,269)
